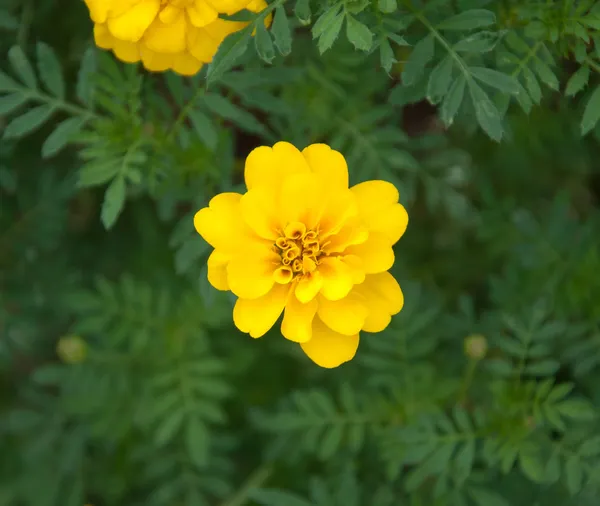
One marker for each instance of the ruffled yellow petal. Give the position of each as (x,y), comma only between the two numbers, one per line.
(99,9)
(185,64)
(376,253)
(200,44)
(217,270)
(228,6)
(167,38)
(267,166)
(257,316)
(155,62)
(301,200)
(261,212)
(201,13)
(353,232)
(382,297)
(298,319)
(379,209)
(309,286)
(338,278)
(126,51)
(328,348)
(102,37)
(328,164)
(346,316)
(170,13)
(340,206)
(132,24)
(250,272)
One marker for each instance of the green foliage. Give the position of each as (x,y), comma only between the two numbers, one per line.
(124,380)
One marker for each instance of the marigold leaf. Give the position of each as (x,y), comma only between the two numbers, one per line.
(281,31)
(387,6)
(486,112)
(330,31)
(197,441)
(205,128)
(573,474)
(545,74)
(453,100)
(22,67)
(50,70)
(468,20)
(28,122)
(591,113)
(358,34)
(481,42)
(169,427)
(61,136)
(224,108)
(230,51)
(114,201)
(302,11)
(420,56)
(440,80)
(264,43)
(496,79)
(532,467)
(10,103)
(578,81)
(386,55)
(275,497)
(532,85)
(485,497)
(85,82)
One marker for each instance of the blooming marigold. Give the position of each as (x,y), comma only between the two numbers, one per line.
(180,35)
(301,242)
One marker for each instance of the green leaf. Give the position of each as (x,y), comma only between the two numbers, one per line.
(486,112)
(50,70)
(114,201)
(22,67)
(10,103)
(8,22)
(386,54)
(577,409)
(7,83)
(481,42)
(230,51)
(420,56)
(440,80)
(591,114)
(28,122)
(485,497)
(98,172)
(578,81)
(225,109)
(85,83)
(469,20)
(281,31)
(275,497)
(264,44)
(302,11)
(61,135)
(197,441)
(387,6)
(532,467)
(543,368)
(452,101)
(532,85)
(205,128)
(545,74)
(496,79)
(358,34)
(574,474)
(327,27)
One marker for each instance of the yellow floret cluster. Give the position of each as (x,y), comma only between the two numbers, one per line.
(178,35)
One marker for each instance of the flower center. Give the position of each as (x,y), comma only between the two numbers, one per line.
(299,250)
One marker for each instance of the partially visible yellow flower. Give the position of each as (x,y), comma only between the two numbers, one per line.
(180,35)
(301,242)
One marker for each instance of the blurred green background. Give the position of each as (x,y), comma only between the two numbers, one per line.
(122,378)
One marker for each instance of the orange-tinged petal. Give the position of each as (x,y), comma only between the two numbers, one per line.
(167,38)
(185,64)
(378,207)
(376,253)
(217,270)
(346,316)
(383,298)
(328,164)
(261,212)
(201,13)
(338,278)
(221,224)
(328,348)
(309,286)
(257,316)
(298,319)
(267,166)
(250,272)
(132,24)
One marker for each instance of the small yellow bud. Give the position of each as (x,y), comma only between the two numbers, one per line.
(476,346)
(71,349)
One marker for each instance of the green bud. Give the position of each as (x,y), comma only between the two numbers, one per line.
(476,346)
(71,349)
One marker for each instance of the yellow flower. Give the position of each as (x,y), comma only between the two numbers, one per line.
(180,35)
(301,242)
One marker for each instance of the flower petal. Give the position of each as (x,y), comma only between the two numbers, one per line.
(339,207)
(376,253)
(301,200)
(132,24)
(267,166)
(102,37)
(346,316)
(353,232)
(126,51)
(309,286)
(201,13)
(298,319)
(378,207)
(328,348)
(261,212)
(257,316)
(337,276)
(217,270)
(185,64)
(99,9)
(155,62)
(383,298)
(250,273)
(328,164)
(167,37)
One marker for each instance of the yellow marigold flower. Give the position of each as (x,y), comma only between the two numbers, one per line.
(301,242)
(180,35)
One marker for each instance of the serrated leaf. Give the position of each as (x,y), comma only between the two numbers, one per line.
(532,85)
(453,100)
(486,112)
(481,42)
(545,74)
(10,103)
(230,51)
(578,81)
(87,69)
(440,80)
(386,54)
(468,20)
(264,44)
(358,34)
(329,32)
(302,11)
(496,79)
(387,6)
(225,109)
(591,113)
(22,67)
(281,31)
(28,122)
(577,409)
(573,474)
(114,201)
(420,56)
(61,136)
(50,70)
(205,128)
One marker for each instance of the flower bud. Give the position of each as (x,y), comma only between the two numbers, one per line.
(476,346)
(71,349)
